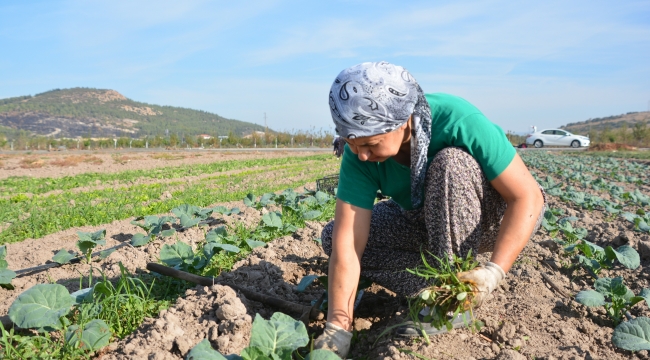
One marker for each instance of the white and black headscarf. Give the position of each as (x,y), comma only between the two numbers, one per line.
(374,98)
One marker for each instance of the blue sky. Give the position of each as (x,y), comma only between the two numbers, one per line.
(522,63)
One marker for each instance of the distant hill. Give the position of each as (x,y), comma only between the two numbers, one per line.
(613,122)
(91,112)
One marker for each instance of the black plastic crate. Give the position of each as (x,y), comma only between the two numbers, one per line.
(328,184)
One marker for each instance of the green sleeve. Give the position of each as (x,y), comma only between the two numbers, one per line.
(357,184)
(485,141)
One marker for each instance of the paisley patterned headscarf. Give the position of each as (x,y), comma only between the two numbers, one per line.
(375,98)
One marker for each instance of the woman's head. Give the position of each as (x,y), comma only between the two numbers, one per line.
(372,98)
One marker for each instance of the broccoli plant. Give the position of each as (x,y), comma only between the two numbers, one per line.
(86,244)
(272,227)
(191,215)
(614,296)
(266,199)
(595,258)
(153,225)
(6,275)
(276,338)
(640,219)
(44,308)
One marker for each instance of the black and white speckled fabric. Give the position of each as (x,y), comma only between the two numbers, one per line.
(462,211)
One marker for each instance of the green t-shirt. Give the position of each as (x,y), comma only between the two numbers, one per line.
(455,122)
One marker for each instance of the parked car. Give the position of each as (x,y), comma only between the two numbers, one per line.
(556,137)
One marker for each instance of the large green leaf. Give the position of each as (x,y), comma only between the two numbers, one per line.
(633,335)
(83,295)
(94,335)
(186,209)
(590,298)
(254,243)
(321,354)
(312,214)
(63,257)
(6,275)
(249,200)
(88,240)
(645,294)
(204,351)
(279,335)
(626,255)
(140,239)
(272,219)
(176,254)
(210,249)
(216,234)
(188,221)
(41,306)
(611,286)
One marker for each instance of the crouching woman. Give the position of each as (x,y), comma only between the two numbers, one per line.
(455,181)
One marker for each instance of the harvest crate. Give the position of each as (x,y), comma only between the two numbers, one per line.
(328,183)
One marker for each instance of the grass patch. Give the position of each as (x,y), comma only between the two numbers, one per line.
(53,213)
(166,156)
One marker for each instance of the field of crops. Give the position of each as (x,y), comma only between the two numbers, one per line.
(584,274)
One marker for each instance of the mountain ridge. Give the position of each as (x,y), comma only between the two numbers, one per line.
(90,112)
(612,122)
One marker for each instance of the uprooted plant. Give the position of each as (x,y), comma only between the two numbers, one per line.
(446,294)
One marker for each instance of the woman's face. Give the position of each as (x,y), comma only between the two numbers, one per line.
(379,148)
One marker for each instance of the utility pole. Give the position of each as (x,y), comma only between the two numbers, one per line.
(266,128)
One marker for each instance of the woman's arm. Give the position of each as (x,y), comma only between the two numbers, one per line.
(525,202)
(351,228)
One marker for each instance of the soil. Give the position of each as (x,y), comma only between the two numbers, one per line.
(69,163)
(525,318)
(610,147)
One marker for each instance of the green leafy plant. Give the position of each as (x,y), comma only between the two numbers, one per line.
(640,219)
(277,338)
(614,296)
(594,258)
(445,293)
(153,225)
(266,199)
(224,210)
(6,275)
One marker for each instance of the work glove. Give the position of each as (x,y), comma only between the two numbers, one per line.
(335,339)
(484,279)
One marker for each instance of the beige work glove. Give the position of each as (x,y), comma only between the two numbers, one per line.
(335,339)
(484,279)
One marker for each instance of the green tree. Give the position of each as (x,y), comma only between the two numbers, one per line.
(640,132)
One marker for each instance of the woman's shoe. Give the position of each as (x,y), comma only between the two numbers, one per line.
(411,329)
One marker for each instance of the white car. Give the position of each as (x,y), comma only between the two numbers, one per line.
(556,137)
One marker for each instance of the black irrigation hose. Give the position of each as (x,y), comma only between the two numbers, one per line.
(39,268)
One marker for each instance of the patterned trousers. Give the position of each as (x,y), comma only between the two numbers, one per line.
(461,212)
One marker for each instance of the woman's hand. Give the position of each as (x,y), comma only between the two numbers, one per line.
(484,279)
(335,339)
